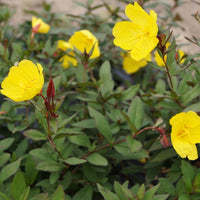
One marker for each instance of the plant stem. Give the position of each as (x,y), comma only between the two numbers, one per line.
(117,142)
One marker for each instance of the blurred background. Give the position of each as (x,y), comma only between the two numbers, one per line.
(183,12)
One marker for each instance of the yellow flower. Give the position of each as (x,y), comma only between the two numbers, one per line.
(84,40)
(68,59)
(159,60)
(185,134)
(138,35)
(39,26)
(23,81)
(131,66)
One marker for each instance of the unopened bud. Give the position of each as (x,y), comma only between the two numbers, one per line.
(50,89)
(36,28)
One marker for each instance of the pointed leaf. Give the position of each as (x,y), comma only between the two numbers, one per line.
(18,185)
(136,112)
(97,159)
(35,135)
(9,170)
(59,193)
(101,123)
(85,192)
(75,161)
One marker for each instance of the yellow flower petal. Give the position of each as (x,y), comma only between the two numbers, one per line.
(131,66)
(68,60)
(84,40)
(138,36)
(23,81)
(44,28)
(159,60)
(185,134)
(184,148)
(63,45)
(126,35)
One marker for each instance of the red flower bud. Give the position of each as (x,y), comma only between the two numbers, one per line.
(36,28)
(50,89)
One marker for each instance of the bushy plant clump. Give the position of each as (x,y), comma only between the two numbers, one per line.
(98,107)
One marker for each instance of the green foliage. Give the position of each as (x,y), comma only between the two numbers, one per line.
(107,135)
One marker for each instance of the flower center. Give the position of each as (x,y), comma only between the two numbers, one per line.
(184,131)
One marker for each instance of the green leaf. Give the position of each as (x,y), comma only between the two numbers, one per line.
(133,144)
(184,197)
(164,155)
(3,196)
(161,197)
(129,93)
(6,143)
(43,154)
(187,170)
(75,161)
(87,123)
(63,123)
(35,135)
(120,193)
(21,148)
(108,195)
(171,53)
(194,107)
(85,192)
(197,183)
(81,140)
(151,192)
(9,170)
(106,88)
(166,187)
(30,171)
(101,123)
(124,150)
(18,185)
(136,112)
(4,158)
(97,159)
(59,193)
(42,196)
(141,192)
(24,195)
(105,72)
(160,86)
(191,94)
(49,166)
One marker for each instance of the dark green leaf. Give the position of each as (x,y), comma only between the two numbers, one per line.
(30,171)
(136,112)
(82,140)
(108,195)
(75,161)
(35,135)
(187,170)
(6,143)
(18,185)
(85,192)
(50,166)
(97,159)
(101,123)
(59,193)
(129,93)
(9,170)
(133,144)
(4,158)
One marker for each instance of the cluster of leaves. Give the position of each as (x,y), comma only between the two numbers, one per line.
(105,141)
